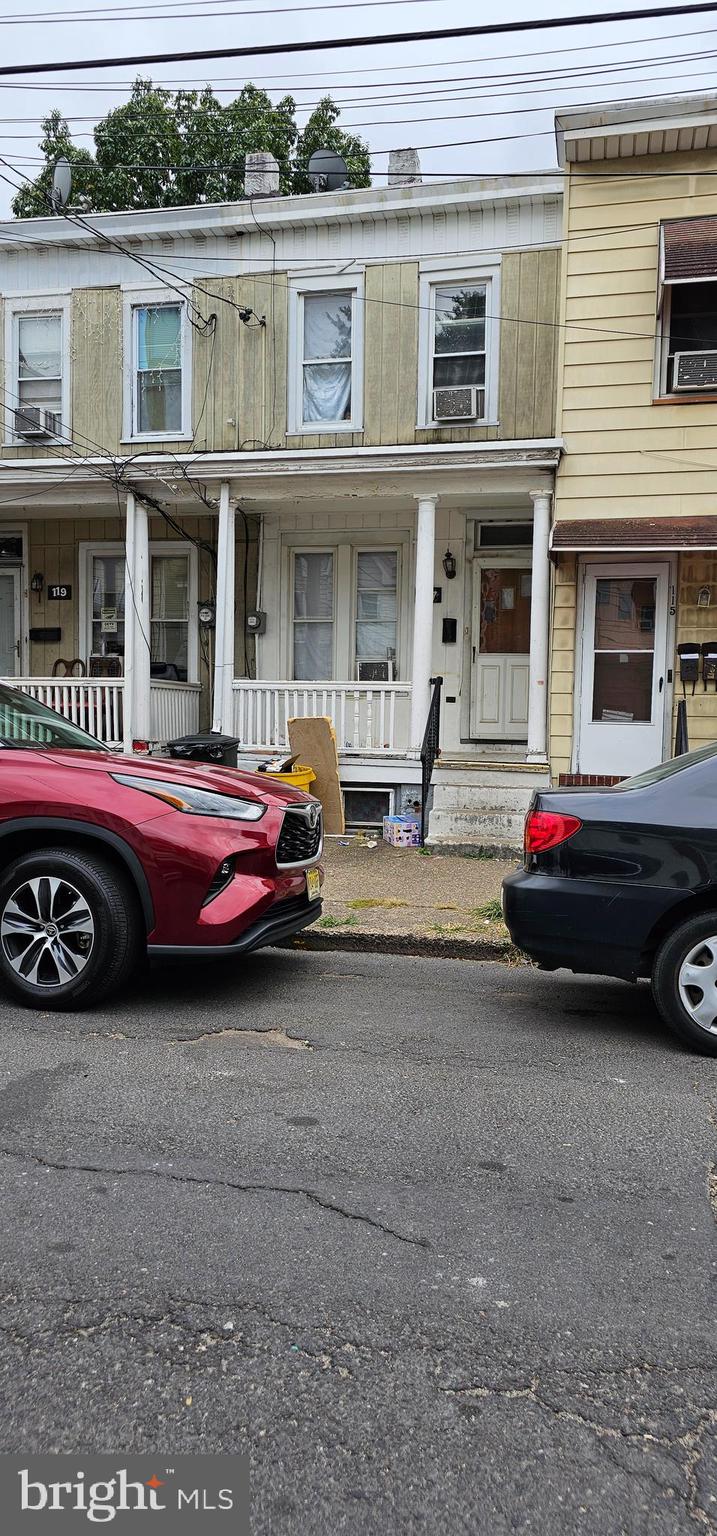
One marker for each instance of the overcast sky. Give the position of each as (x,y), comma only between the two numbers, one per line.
(394,95)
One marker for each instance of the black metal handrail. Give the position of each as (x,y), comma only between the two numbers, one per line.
(430,748)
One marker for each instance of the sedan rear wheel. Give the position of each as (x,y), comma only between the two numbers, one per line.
(684,982)
(69,928)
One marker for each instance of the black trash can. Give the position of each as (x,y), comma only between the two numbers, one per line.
(206,747)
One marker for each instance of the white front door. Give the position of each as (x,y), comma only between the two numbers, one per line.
(500,668)
(10,636)
(624,668)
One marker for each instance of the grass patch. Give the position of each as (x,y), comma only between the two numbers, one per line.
(362,903)
(335,922)
(491,910)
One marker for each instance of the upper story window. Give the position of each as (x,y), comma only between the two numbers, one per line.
(325,357)
(157,357)
(37,370)
(458,363)
(687,302)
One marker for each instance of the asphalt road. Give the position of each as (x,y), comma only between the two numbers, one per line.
(449,1268)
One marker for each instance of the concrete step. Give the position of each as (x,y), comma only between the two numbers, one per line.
(481,799)
(498,777)
(494,829)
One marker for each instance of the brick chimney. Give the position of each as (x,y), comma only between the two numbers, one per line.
(261,174)
(404,167)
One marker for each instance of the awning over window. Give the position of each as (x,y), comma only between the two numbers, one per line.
(688,250)
(633,534)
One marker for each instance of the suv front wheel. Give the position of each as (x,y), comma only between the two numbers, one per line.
(69,928)
(684,982)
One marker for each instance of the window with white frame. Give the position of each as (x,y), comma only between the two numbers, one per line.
(458,344)
(687,307)
(325,357)
(157,369)
(377,605)
(171,639)
(39,369)
(459,339)
(313,614)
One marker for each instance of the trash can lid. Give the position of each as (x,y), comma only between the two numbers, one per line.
(205,739)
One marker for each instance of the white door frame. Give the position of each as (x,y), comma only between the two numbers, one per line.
(521,560)
(16,572)
(590,565)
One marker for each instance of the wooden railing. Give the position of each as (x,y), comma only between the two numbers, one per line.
(173,710)
(95,704)
(367,718)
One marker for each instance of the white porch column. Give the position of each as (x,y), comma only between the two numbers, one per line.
(539,630)
(136,707)
(423,617)
(223,708)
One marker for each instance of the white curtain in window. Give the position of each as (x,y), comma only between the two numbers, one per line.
(327,357)
(327,391)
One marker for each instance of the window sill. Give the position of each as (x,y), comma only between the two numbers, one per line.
(157,437)
(704,397)
(319,428)
(442,426)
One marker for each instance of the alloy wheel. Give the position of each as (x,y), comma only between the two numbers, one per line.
(47,931)
(697,984)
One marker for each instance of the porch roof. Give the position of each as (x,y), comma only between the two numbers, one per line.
(634,534)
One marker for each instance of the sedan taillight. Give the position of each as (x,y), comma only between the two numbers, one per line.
(546,829)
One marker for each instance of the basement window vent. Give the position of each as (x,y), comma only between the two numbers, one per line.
(367,807)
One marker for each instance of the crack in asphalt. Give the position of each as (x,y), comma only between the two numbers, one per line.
(690,1443)
(212,1182)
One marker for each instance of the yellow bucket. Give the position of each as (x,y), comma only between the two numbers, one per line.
(300,777)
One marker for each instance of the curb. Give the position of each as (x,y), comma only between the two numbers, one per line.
(363,942)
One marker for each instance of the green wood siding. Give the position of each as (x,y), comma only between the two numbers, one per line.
(239,375)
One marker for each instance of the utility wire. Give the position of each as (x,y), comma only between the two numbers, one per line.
(232,15)
(320,45)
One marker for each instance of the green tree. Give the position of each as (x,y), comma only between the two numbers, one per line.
(163,150)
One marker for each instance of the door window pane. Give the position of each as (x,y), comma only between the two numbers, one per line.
(624,648)
(8,653)
(170,617)
(313,615)
(376,605)
(505,612)
(108,605)
(158,368)
(327,354)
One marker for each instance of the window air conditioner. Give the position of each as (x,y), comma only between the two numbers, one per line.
(464,403)
(695,370)
(33,421)
(374,671)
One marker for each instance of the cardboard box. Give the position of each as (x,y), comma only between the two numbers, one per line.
(402,831)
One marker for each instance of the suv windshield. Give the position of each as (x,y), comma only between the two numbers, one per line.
(26,723)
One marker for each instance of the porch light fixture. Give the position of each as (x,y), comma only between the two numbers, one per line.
(449,565)
(37,583)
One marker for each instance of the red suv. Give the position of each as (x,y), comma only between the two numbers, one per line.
(104,858)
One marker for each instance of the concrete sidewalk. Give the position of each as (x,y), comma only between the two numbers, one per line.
(411,901)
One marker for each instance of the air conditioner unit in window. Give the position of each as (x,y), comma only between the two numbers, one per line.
(34,421)
(465,402)
(374,671)
(695,370)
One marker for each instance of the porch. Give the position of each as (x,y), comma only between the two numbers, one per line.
(367,720)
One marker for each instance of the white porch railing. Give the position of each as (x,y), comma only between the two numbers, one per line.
(173,710)
(367,719)
(95,704)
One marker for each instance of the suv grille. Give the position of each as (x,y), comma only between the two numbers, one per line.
(299,841)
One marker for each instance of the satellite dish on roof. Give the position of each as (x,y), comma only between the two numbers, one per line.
(61,184)
(327,171)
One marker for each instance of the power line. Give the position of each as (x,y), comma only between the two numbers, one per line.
(327,5)
(316,45)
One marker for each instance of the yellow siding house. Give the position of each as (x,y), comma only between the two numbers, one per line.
(634,539)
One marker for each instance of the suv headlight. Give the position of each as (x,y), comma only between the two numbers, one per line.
(193,800)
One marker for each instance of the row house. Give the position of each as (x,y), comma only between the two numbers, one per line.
(292,455)
(634,541)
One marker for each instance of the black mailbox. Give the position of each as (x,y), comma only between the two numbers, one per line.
(689,653)
(709,661)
